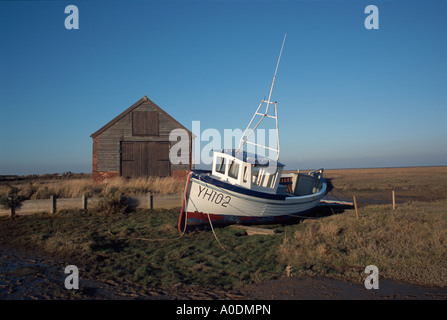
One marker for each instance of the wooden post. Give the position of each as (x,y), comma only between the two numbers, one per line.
(150,201)
(356,210)
(12,212)
(84,202)
(394,201)
(53,204)
(288,270)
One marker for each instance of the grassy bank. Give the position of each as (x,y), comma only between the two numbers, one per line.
(116,247)
(408,244)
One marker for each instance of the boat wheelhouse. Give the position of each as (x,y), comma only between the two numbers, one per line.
(248,171)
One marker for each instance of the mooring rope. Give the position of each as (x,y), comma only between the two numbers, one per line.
(215,236)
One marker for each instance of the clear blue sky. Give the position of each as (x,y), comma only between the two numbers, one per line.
(347,96)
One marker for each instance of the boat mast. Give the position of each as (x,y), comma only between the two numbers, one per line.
(276,70)
(265,114)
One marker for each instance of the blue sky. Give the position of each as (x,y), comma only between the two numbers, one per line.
(347,96)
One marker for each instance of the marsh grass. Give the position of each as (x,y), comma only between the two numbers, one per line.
(417,183)
(110,247)
(408,244)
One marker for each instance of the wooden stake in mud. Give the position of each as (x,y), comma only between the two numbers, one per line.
(394,201)
(356,210)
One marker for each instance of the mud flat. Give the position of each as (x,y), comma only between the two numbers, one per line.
(375,185)
(318,288)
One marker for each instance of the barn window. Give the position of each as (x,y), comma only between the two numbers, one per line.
(145,123)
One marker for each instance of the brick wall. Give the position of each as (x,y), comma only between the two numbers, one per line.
(180,174)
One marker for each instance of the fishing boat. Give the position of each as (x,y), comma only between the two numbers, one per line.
(246,188)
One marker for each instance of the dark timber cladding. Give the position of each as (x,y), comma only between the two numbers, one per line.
(144,158)
(136,144)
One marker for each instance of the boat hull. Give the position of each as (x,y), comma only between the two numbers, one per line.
(209,200)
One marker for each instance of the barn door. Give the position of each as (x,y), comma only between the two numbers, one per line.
(145,158)
(128,160)
(162,156)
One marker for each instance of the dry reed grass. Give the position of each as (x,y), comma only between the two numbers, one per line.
(75,188)
(406,244)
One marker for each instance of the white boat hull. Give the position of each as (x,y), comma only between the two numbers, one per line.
(209,200)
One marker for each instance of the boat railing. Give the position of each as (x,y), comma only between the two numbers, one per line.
(317,173)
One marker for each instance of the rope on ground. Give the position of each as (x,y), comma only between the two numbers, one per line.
(215,236)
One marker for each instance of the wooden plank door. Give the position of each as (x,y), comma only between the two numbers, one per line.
(162,159)
(145,158)
(128,159)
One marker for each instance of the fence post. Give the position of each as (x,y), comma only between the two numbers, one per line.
(356,210)
(84,202)
(150,200)
(394,201)
(53,204)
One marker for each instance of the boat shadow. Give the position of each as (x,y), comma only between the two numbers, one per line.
(328,207)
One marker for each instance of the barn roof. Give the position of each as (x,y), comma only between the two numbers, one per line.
(130,109)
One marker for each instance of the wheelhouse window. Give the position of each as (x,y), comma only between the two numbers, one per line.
(233,170)
(255,175)
(221,165)
(272,179)
(245,175)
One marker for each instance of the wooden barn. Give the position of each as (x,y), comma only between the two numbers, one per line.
(136,144)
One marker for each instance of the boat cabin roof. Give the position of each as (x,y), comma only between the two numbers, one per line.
(251,158)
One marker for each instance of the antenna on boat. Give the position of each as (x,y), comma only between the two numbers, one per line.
(265,114)
(276,70)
